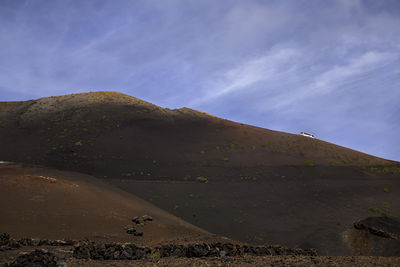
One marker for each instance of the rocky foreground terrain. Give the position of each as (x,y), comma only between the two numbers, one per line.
(373,234)
(62,253)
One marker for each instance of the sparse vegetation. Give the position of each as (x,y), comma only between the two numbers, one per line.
(385,170)
(373,209)
(202,179)
(258,238)
(155,254)
(226,159)
(308,163)
(126,243)
(384,212)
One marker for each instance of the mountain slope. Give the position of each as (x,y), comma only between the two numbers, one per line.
(244,182)
(98,133)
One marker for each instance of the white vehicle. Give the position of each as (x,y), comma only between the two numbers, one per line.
(307,135)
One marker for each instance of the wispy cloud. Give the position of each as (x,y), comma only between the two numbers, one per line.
(337,77)
(248,73)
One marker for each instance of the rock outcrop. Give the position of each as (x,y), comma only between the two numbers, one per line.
(388,227)
(114,251)
(374,236)
(37,258)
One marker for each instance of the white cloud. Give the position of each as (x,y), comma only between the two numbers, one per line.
(333,78)
(248,73)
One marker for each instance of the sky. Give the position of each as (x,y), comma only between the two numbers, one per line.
(331,68)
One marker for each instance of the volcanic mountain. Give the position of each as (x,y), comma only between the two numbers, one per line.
(232,179)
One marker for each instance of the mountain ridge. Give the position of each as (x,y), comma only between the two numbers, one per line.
(244,182)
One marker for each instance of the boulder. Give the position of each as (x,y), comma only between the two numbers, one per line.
(37,258)
(136,220)
(147,218)
(138,233)
(4,239)
(131,231)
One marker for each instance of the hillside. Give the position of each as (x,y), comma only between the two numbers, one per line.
(97,133)
(46,203)
(248,183)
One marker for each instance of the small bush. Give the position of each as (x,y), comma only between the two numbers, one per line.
(381,212)
(258,238)
(155,254)
(79,143)
(126,244)
(385,190)
(226,159)
(373,209)
(308,163)
(202,179)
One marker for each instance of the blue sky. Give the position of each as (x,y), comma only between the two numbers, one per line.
(331,68)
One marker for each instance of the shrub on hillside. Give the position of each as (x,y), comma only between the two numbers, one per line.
(308,163)
(202,179)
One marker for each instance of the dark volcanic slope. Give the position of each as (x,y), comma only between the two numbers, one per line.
(110,133)
(261,185)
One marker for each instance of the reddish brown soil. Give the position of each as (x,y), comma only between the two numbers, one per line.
(43,203)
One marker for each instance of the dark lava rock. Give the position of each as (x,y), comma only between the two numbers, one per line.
(112,251)
(198,250)
(37,258)
(147,218)
(388,227)
(136,220)
(138,234)
(12,244)
(4,239)
(131,231)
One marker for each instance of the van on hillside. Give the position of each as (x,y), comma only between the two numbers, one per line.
(307,135)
